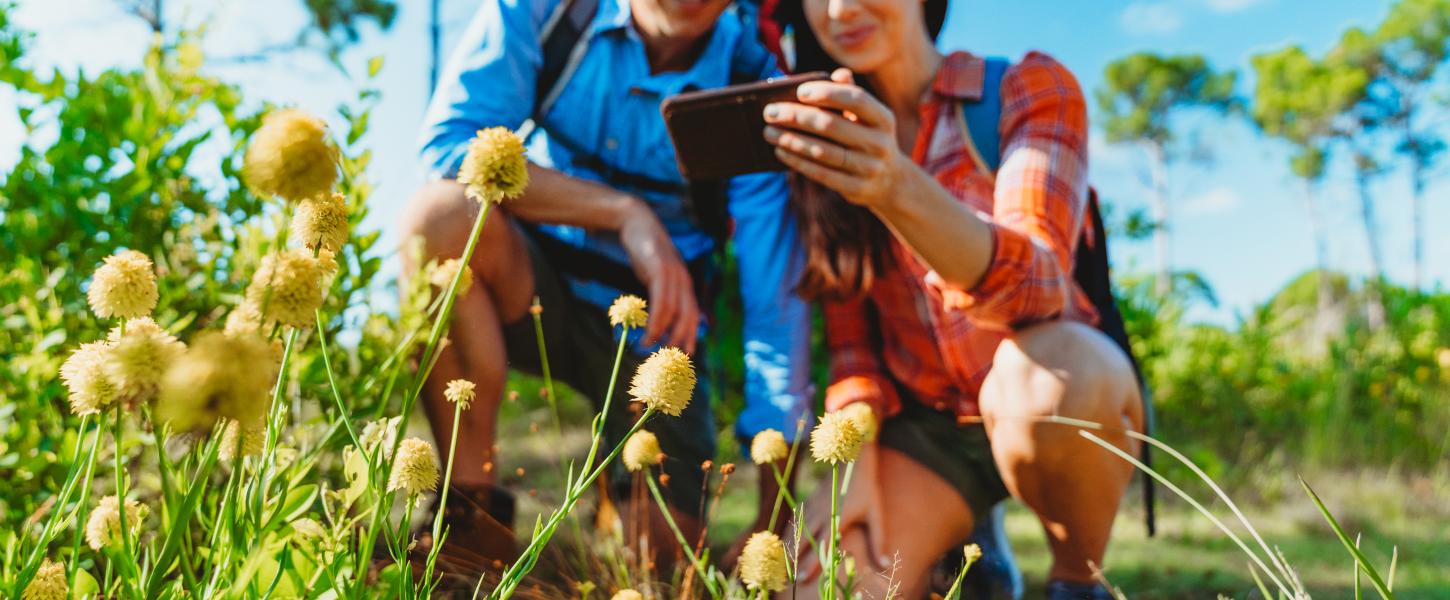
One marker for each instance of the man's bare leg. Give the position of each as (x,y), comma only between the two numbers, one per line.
(1070,370)
(502,290)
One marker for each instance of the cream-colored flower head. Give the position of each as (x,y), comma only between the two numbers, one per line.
(415,469)
(321,220)
(84,375)
(251,436)
(768,446)
(288,286)
(290,156)
(641,451)
(762,562)
(1442,356)
(495,168)
(308,528)
(380,434)
(627,595)
(443,276)
(48,583)
(139,358)
(124,286)
(665,381)
(103,528)
(219,375)
(461,391)
(863,417)
(836,439)
(628,310)
(972,552)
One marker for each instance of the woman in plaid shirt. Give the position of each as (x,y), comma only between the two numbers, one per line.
(951,308)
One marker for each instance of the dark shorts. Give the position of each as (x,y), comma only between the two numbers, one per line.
(960,454)
(582,346)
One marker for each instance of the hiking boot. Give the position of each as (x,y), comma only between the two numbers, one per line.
(478,522)
(993,576)
(1066,590)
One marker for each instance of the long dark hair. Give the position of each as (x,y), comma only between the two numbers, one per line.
(846,245)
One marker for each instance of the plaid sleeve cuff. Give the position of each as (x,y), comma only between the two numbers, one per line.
(1006,296)
(872,389)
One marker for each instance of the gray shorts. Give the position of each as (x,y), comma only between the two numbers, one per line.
(960,454)
(582,345)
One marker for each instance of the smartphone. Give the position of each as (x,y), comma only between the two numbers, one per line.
(719,133)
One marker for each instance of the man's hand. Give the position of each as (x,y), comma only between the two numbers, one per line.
(674,313)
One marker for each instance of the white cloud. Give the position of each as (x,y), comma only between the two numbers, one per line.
(1216,201)
(1152,18)
(1228,6)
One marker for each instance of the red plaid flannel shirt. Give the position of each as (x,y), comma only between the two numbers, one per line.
(935,341)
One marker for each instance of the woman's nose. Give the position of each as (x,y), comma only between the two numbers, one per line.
(841,10)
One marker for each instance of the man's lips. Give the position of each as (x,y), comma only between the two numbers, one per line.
(854,36)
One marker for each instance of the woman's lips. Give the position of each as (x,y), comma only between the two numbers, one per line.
(855,36)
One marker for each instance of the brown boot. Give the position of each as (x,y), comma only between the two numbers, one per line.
(479,538)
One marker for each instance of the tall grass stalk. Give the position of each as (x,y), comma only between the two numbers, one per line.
(707,575)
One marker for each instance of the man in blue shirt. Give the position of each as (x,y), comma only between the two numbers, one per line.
(606,213)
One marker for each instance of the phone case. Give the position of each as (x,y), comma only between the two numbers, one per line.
(718,133)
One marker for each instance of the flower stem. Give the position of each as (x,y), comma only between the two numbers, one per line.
(831,558)
(443,497)
(710,583)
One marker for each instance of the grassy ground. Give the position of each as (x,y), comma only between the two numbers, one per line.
(1189,558)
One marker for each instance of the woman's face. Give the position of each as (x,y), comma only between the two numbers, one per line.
(864,35)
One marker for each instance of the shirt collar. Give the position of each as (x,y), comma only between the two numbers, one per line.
(613,15)
(960,76)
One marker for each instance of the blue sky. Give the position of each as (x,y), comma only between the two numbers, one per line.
(1240,220)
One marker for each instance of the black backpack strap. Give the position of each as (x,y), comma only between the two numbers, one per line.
(559,43)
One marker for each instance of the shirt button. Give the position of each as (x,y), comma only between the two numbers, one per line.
(611,144)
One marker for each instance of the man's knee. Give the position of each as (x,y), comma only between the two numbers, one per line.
(1058,368)
(441,217)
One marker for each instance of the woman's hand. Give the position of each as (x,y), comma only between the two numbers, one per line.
(853,152)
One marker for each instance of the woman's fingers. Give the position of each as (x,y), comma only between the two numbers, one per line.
(821,151)
(847,97)
(842,183)
(824,123)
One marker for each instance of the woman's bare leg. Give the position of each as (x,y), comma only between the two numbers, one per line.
(1070,370)
(897,519)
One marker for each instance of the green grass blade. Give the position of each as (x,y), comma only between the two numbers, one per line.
(1364,565)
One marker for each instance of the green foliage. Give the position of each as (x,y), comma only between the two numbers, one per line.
(340,21)
(1300,100)
(1142,91)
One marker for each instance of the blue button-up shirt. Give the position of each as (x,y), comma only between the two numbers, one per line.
(609,108)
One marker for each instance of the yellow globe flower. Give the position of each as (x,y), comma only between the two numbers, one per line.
(48,584)
(863,417)
(460,391)
(415,469)
(836,439)
(290,156)
(445,271)
(103,528)
(246,440)
(641,451)
(665,381)
(762,562)
(138,359)
(288,286)
(768,446)
(321,221)
(627,595)
(124,286)
(495,168)
(84,375)
(218,376)
(629,311)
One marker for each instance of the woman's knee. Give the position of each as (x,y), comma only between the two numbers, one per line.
(440,218)
(1060,368)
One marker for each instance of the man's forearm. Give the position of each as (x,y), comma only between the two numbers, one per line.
(556,198)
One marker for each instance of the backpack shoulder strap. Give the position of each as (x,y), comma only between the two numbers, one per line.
(982,117)
(751,56)
(559,42)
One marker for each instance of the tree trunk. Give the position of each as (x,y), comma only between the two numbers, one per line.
(1325,292)
(1158,166)
(1375,311)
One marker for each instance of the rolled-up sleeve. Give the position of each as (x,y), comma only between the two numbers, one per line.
(1039,203)
(776,327)
(488,82)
